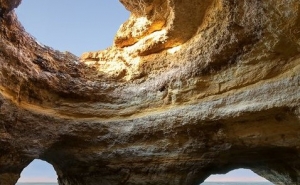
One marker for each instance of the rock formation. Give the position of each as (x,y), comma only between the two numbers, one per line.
(190,88)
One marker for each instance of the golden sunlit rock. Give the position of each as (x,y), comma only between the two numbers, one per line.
(189,88)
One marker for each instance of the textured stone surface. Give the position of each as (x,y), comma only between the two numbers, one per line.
(202,87)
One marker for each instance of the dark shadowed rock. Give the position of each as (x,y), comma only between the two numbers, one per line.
(193,89)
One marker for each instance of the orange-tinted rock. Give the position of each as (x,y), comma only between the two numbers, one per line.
(209,87)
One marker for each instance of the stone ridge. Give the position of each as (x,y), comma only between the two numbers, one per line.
(188,89)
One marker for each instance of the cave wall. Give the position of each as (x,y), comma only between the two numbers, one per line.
(188,89)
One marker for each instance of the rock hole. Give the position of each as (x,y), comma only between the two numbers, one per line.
(238,177)
(162,88)
(38,171)
(74,26)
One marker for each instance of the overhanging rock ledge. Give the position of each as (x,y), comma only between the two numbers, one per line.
(189,88)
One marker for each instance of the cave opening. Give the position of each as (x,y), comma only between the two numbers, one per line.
(72,26)
(240,175)
(38,171)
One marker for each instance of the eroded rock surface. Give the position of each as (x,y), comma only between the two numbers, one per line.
(190,88)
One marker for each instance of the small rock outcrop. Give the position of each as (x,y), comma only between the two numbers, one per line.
(189,88)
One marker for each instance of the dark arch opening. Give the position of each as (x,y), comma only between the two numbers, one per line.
(236,176)
(38,171)
(73,26)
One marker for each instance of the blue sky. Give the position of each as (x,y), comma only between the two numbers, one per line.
(41,171)
(80,26)
(75,26)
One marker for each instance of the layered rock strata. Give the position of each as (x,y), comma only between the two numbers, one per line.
(190,88)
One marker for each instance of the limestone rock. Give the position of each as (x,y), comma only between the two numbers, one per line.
(190,90)
(8,5)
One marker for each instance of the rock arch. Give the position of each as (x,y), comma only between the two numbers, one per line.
(227,97)
(38,171)
(236,175)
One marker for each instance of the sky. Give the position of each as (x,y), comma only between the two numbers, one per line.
(41,171)
(75,26)
(78,27)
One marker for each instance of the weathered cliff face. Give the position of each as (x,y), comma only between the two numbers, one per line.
(189,88)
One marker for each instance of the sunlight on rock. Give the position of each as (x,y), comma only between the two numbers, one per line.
(135,114)
(174,49)
(140,24)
